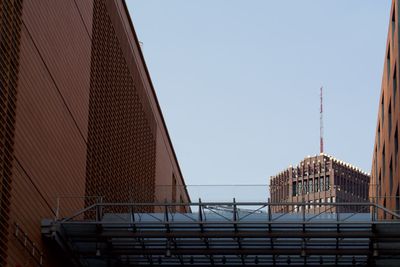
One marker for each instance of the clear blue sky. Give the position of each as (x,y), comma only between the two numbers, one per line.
(238,81)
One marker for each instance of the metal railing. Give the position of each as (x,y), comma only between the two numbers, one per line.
(237,210)
(325,201)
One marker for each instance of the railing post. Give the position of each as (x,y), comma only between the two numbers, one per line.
(373,212)
(97,212)
(166,210)
(337,214)
(376,192)
(200,210)
(269,211)
(234,210)
(57,208)
(99,209)
(269,216)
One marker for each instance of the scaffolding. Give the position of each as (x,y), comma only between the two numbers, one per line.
(226,233)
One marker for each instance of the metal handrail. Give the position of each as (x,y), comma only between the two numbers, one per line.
(98,206)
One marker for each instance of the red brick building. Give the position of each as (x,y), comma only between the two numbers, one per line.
(78,117)
(320,179)
(385,164)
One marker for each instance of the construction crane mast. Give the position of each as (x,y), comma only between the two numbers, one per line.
(321,123)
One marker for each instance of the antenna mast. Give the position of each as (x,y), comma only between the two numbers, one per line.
(321,123)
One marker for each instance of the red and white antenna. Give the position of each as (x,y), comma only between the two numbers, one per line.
(321,124)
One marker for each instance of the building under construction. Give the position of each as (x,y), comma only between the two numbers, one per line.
(319,179)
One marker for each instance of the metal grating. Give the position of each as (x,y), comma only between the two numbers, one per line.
(229,234)
(121,145)
(10,33)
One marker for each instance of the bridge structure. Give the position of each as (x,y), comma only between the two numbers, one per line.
(226,234)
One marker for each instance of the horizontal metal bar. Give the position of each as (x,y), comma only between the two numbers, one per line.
(232,234)
(237,251)
(248,242)
(239,263)
(265,223)
(163,204)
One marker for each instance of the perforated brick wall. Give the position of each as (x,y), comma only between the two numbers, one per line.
(10,34)
(121,152)
(87,121)
(385,171)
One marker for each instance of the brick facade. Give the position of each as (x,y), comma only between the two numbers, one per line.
(320,179)
(79,117)
(385,164)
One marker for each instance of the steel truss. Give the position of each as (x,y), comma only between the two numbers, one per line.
(121,234)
